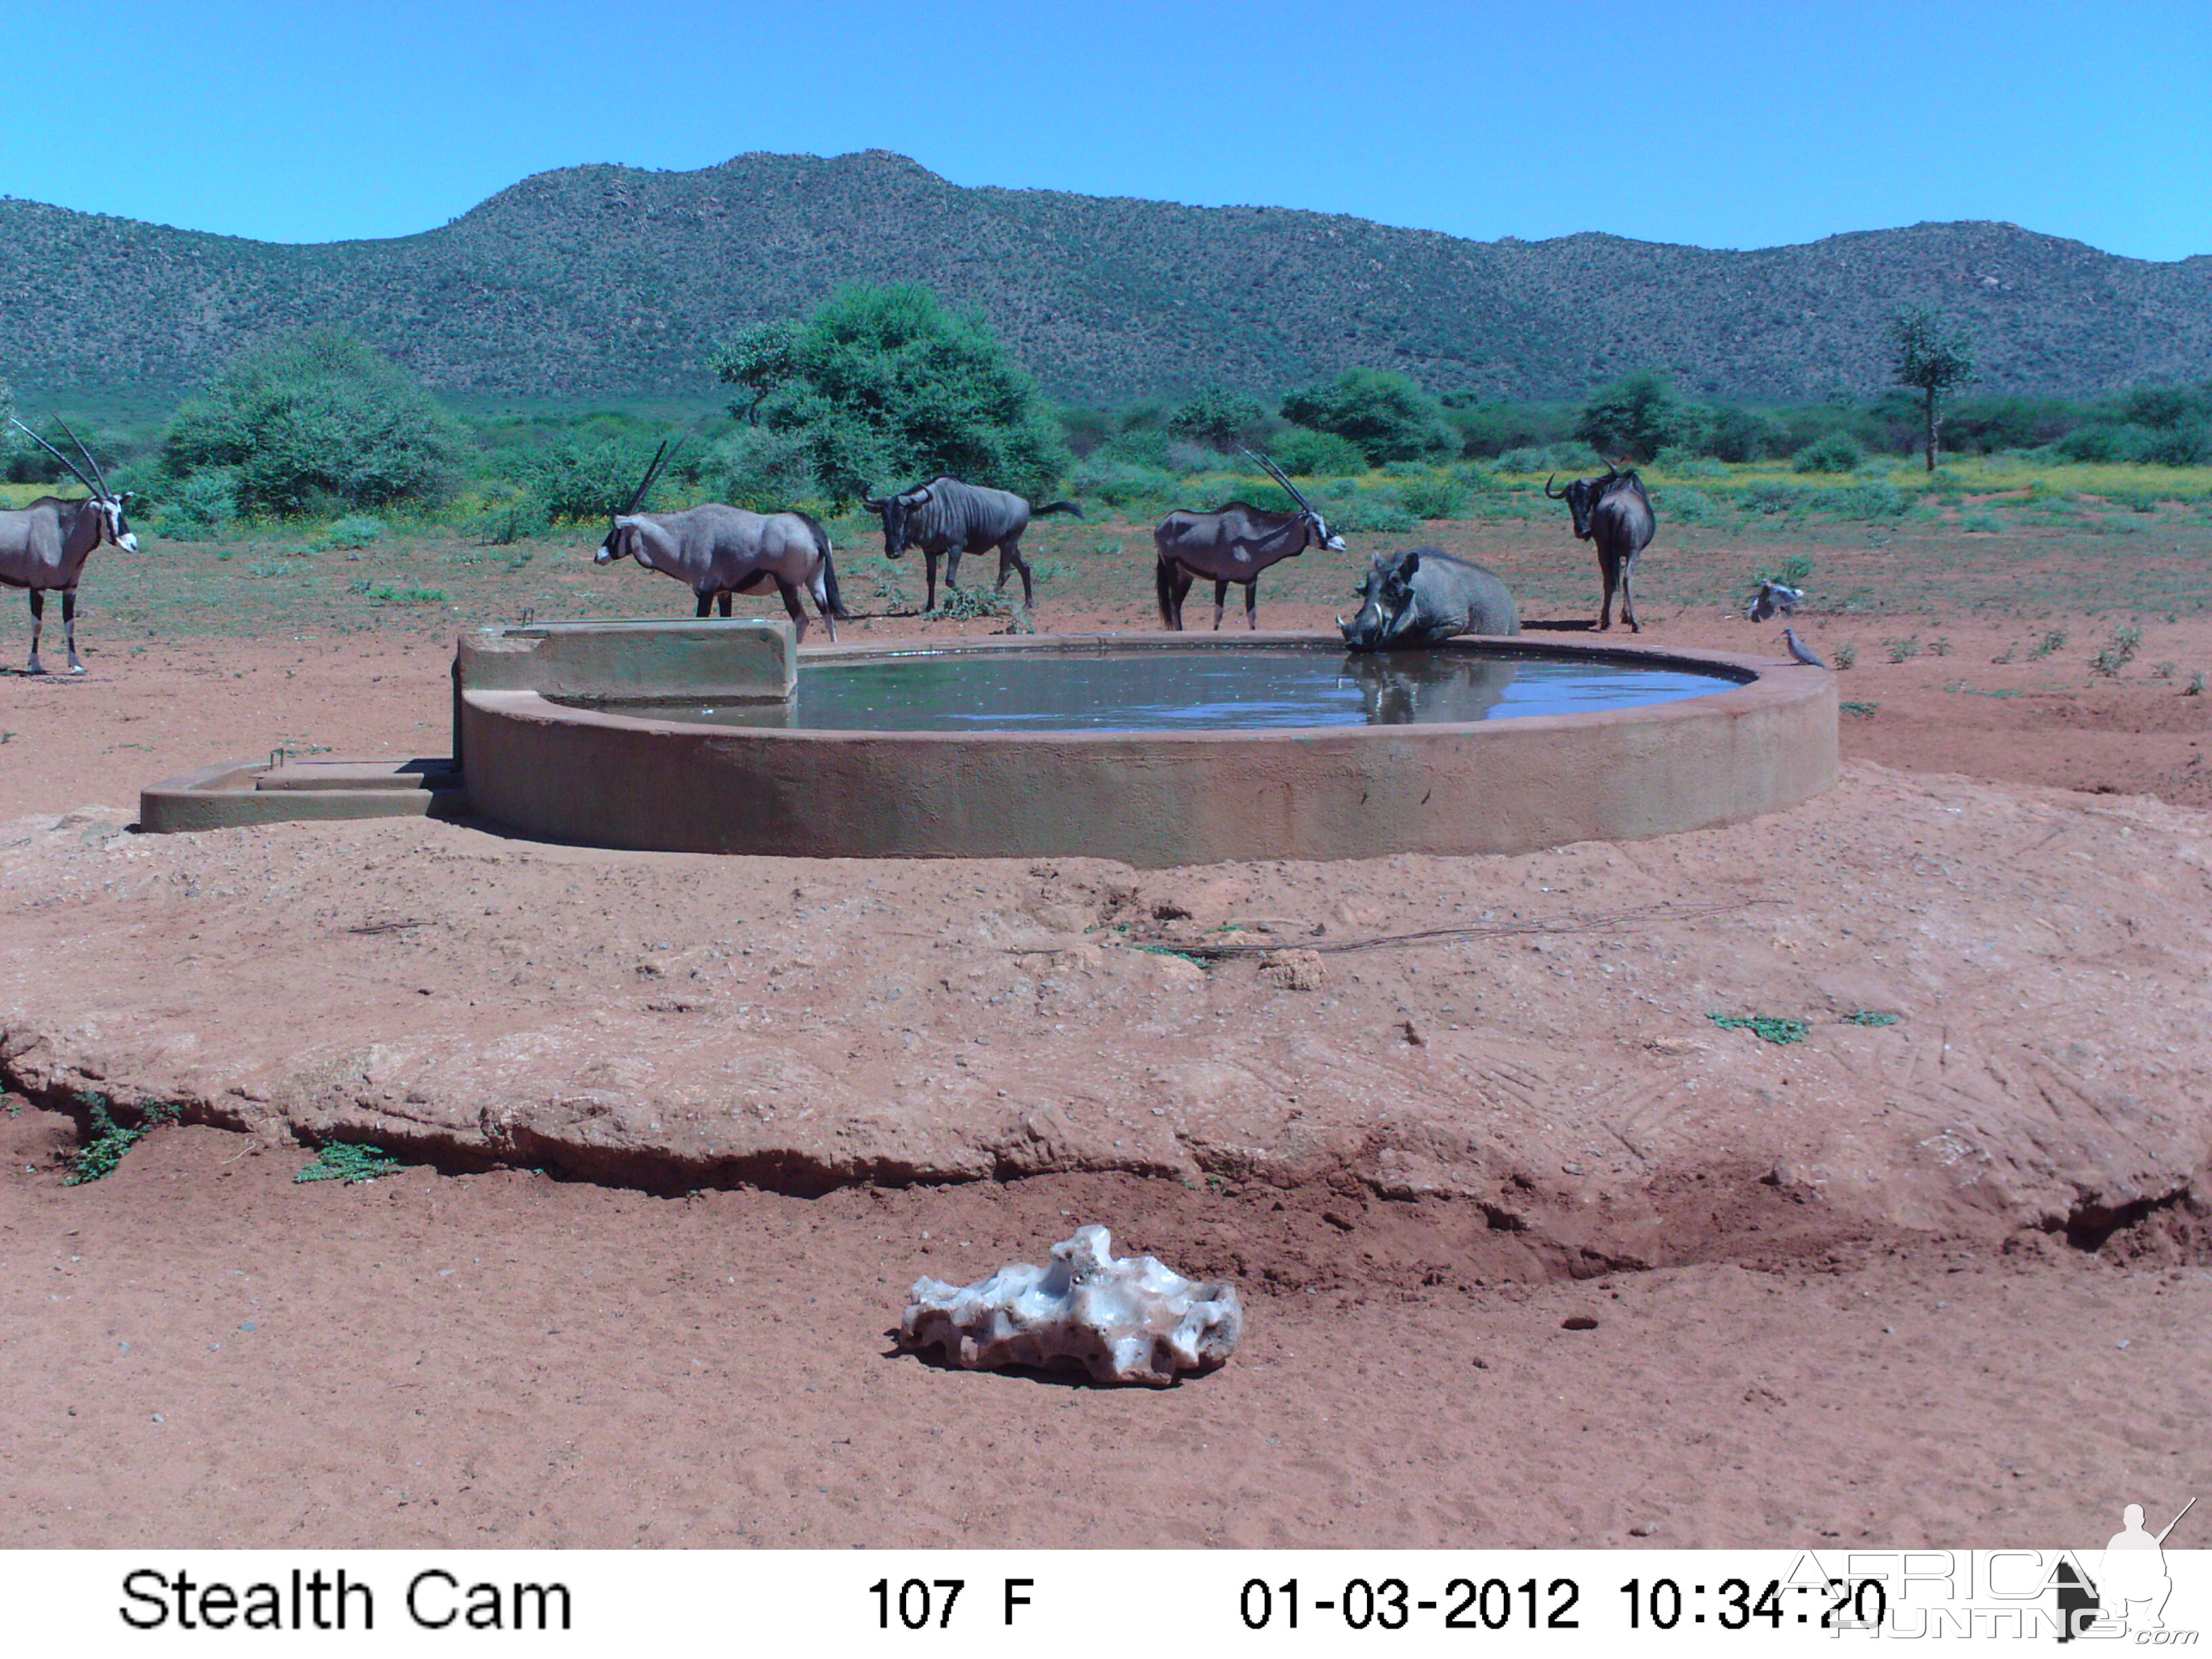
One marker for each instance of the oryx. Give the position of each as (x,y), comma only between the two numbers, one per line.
(717,550)
(45,545)
(1613,512)
(945,518)
(1233,543)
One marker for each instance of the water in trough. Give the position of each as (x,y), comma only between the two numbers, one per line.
(1207,688)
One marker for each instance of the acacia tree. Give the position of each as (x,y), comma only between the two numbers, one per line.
(759,360)
(1635,417)
(1933,357)
(1218,416)
(887,384)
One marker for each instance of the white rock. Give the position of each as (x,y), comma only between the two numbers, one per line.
(1126,1321)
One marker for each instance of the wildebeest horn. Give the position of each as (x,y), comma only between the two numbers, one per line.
(1282,478)
(89,460)
(646,483)
(63,458)
(1556,494)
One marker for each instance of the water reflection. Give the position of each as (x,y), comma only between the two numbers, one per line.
(1428,688)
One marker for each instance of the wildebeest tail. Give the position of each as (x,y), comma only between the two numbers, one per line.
(1163,580)
(1057,507)
(828,565)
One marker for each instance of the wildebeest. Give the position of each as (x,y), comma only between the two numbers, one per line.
(945,518)
(1614,512)
(717,550)
(1422,596)
(1232,543)
(45,545)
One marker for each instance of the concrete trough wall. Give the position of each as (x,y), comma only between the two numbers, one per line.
(1155,799)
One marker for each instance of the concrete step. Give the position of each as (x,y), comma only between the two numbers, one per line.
(348,772)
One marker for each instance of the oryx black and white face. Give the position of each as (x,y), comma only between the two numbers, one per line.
(621,543)
(624,540)
(114,527)
(1322,534)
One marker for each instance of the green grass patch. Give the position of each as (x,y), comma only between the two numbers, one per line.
(1868,1016)
(348,1163)
(1767,1028)
(96,1159)
(1857,711)
(2117,652)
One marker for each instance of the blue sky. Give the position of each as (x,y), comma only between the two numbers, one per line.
(1723,125)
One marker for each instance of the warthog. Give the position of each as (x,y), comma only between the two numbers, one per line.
(1423,595)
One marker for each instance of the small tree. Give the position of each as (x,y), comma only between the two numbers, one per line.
(1387,416)
(1635,417)
(1220,417)
(760,361)
(888,385)
(1933,357)
(317,421)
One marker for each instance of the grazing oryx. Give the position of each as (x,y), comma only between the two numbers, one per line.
(1232,545)
(717,550)
(945,518)
(1615,512)
(45,545)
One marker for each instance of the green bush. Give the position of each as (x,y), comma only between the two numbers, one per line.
(1876,499)
(888,387)
(316,421)
(1370,512)
(1636,417)
(1127,487)
(1548,458)
(1730,434)
(355,532)
(1386,417)
(1775,499)
(1838,452)
(199,508)
(761,470)
(509,513)
(1219,417)
(579,481)
(1305,453)
(1433,498)
(1685,506)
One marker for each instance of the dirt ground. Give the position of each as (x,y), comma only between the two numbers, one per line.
(687,1130)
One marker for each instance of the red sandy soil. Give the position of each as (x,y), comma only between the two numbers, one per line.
(505,1359)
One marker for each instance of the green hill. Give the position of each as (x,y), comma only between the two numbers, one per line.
(611,281)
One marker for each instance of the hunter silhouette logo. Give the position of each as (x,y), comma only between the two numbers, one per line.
(2131,1584)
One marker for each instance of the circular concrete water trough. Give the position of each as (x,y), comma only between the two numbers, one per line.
(574,766)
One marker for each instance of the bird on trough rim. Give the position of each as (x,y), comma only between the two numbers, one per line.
(1801,652)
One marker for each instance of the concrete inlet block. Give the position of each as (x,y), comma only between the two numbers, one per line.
(634,661)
